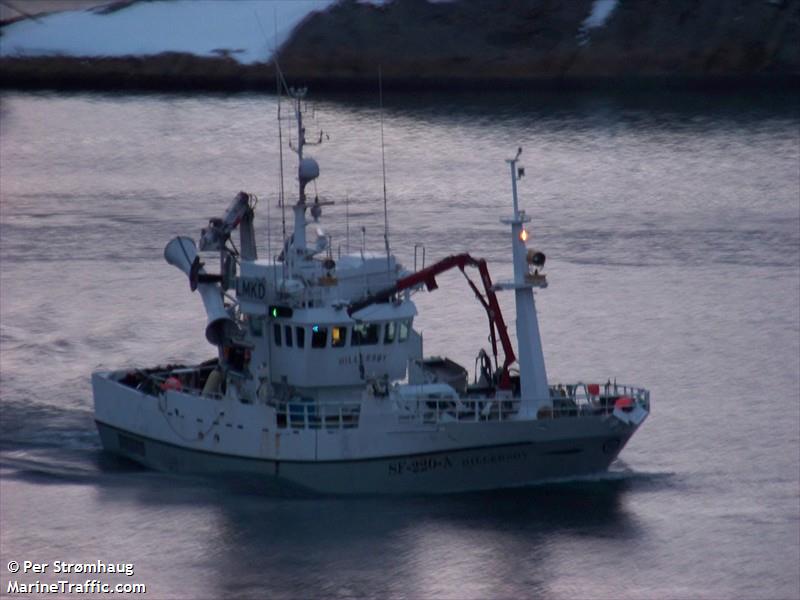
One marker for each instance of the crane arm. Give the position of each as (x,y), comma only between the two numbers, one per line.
(239,214)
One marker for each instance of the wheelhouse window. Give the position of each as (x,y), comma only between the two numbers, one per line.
(288,336)
(276,329)
(365,334)
(319,336)
(300,336)
(389,332)
(338,336)
(403,331)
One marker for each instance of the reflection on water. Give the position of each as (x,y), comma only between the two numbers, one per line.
(241,543)
(671,223)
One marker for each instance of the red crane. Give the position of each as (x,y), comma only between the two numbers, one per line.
(497,326)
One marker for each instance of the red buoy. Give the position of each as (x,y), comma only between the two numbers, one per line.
(624,403)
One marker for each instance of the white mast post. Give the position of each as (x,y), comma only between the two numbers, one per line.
(534,390)
(299,243)
(383,164)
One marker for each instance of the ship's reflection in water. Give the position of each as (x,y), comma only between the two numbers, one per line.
(245,543)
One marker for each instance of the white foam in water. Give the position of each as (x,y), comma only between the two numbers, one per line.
(246,29)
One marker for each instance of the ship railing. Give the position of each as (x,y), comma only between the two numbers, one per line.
(156,382)
(313,415)
(576,400)
(580,399)
(192,391)
(448,409)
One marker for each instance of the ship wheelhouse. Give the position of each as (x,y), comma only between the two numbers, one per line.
(320,348)
(303,337)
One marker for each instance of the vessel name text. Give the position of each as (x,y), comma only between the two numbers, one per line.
(494,459)
(251,289)
(420,465)
(439,463)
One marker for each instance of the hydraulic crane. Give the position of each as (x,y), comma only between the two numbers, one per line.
(427,276)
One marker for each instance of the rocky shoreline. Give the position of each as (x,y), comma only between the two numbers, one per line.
(184,72)
(475,45)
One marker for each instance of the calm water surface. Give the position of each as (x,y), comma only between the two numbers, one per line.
(672,229)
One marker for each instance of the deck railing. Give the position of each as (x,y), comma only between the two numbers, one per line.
(571,400)
(575,400)
(449,409)
(154,384)
(311,415)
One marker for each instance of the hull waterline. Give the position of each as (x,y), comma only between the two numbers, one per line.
(449,471)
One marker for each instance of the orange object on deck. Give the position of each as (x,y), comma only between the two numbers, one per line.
(593,389)
(624,403)
(172,383)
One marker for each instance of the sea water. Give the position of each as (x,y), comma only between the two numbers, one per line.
(671,223)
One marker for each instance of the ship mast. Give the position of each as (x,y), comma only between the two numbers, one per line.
(534,390)
(307,171)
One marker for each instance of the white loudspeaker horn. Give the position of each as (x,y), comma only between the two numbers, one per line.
(181,253)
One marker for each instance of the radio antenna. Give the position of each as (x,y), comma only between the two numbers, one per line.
(281,197)
(278,77)
(347,221)
(383,164)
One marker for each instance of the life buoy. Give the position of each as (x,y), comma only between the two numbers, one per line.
(625,403)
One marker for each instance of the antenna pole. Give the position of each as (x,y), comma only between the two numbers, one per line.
(383,164)
(281,197)
(269,232)
(347,221)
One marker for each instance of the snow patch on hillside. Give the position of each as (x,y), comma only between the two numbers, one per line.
(601,11)
(245,29)
(598,16)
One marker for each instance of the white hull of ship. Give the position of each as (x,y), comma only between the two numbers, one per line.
(186,433)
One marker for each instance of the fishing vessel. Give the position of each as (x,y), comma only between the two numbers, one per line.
(320,383)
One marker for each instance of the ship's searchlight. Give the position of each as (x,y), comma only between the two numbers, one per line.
(181,252)
(536,258)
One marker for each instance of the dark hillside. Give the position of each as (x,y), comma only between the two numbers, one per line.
(480,43)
